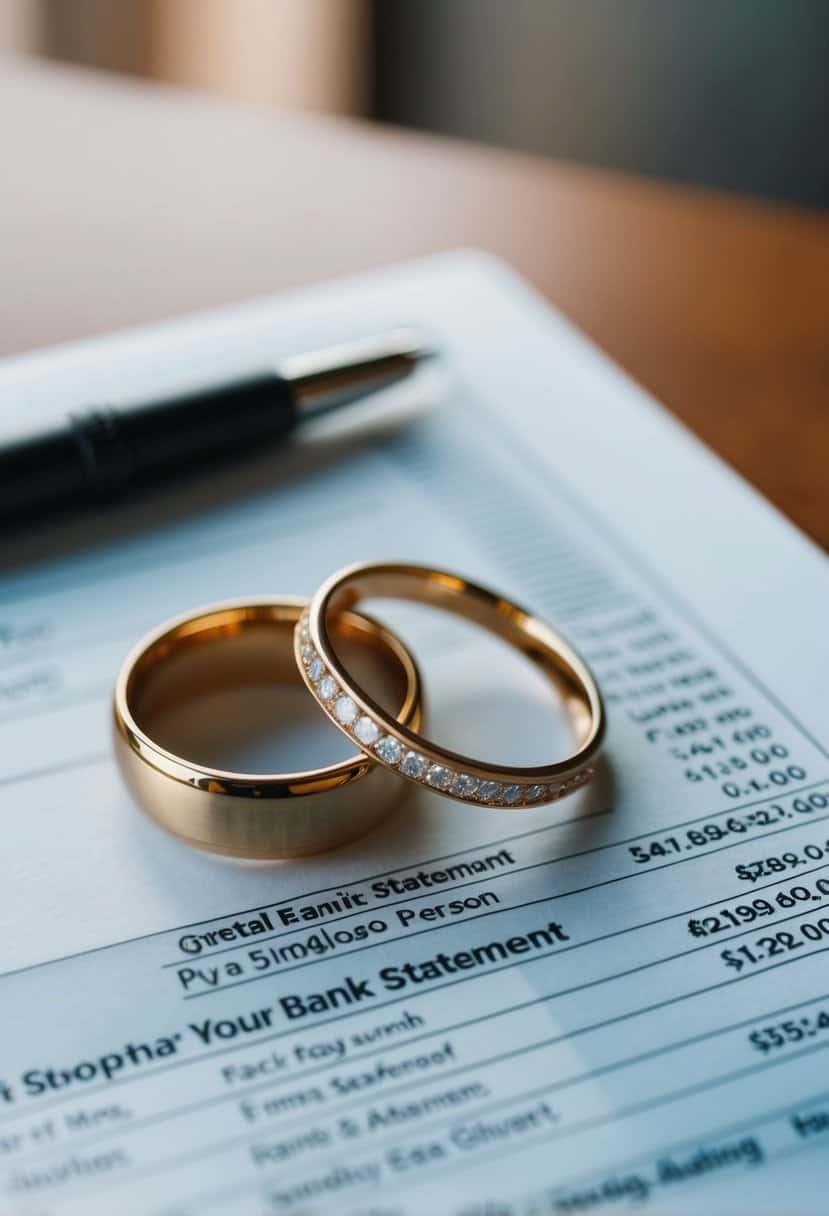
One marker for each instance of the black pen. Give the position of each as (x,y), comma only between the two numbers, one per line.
(106,453)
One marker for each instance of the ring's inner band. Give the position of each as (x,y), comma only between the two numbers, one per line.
(234,647)
(533,637)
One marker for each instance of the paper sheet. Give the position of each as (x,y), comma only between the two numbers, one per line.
(658,1035)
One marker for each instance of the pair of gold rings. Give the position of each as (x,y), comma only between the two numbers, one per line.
(327,642)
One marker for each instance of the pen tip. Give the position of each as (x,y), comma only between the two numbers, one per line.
(328,379)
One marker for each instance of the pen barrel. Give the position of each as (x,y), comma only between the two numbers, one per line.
(103,454)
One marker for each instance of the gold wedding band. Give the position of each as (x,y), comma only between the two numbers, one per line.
(398,745)
(251,815)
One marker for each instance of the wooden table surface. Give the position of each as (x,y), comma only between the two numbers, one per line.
(125,202)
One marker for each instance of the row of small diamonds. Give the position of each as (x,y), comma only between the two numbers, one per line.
(462,785)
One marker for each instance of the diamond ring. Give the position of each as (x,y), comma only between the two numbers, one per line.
(400,747)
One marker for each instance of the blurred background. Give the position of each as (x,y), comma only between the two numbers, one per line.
(724,93)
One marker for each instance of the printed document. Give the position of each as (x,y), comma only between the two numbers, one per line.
(618,1002)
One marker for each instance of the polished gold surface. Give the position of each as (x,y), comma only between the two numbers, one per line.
(398,745)
(249,814)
